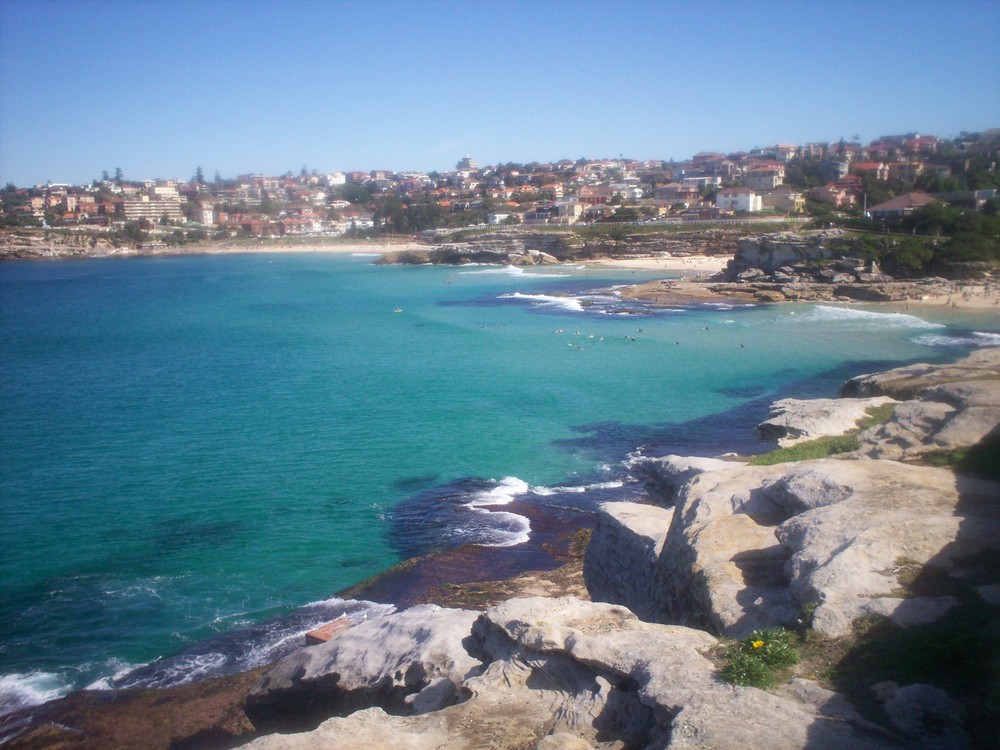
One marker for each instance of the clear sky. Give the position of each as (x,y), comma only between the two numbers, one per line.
(160,87)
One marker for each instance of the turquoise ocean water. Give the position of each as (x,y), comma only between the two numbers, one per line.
(195,452)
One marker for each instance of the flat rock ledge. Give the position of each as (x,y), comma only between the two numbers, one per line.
(794,421)
(557,673)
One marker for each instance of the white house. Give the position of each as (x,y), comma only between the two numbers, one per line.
(738,199)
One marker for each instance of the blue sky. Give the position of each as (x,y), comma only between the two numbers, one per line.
(160,87)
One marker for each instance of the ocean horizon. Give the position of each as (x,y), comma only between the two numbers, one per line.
(197,452)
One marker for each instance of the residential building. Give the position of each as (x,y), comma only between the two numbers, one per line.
(835,196)
(595,194)
(541,215)
(709,180)
(552,190)
(878,169)
(905,171)
(570,212)
(852,183)
(134,209)
(784,199)
(764,178)
(677,192)
(901,205)
(832,169)
(738,199)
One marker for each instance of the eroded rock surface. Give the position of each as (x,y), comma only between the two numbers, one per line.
(795,421)
(412,661)
(910,382)
(564,673)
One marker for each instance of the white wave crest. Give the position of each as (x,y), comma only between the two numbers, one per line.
(979,339)
(547,300)
(505,529)
(831,314)
(577,489)
(493,271)
(112,669)
(506,490)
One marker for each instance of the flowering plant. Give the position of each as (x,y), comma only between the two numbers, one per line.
(754,660)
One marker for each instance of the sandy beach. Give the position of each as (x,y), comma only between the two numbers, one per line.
(695,266)
(285,246)
(964,296)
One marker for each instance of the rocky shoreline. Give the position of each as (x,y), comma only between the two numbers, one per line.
(894,543)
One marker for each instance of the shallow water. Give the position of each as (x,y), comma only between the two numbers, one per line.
(193,448)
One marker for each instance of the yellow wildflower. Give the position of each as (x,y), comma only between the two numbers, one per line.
(757,644)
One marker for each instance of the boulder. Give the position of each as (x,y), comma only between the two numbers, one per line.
(794,421)
(784,249)
(407,662)
(720,568)
(923,712)
(770,295)
(405,257)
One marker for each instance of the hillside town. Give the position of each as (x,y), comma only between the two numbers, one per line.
(889,178)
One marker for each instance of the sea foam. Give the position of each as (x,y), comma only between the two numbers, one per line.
(571,304)
(976,339)
(23,689)
(242,649)
(828,313)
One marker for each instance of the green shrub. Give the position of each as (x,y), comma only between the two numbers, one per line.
(749,671)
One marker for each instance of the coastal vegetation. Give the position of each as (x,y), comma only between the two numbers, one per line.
(829,445)
(929,240)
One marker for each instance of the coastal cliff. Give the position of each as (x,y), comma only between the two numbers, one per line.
(883,556)
(728,549)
